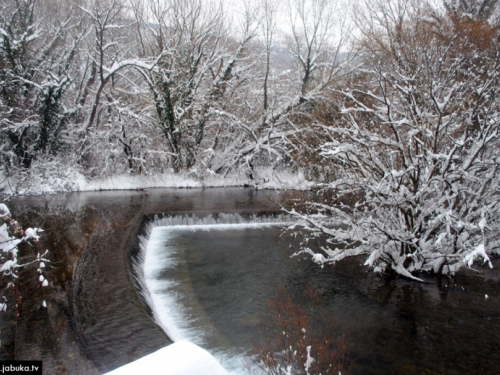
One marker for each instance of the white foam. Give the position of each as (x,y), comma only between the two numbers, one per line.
(165,303)
(220,220)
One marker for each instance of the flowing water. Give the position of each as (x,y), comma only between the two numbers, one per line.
(208,278)
(211,283)
(211,280)
(95,319)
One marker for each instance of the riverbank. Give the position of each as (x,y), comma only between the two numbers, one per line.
(70,180)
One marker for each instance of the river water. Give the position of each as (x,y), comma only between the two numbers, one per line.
(214,284)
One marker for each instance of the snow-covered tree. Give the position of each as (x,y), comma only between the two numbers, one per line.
(314,63)
(111,131)
(36,57)
(484,10)
(197,60)
(416,146)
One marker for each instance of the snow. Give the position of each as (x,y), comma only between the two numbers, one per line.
(478,252)
(71,180)
(122,64)
(4,210)
(32,233)
(309,360)
(319,258)
(7,243)
(180,358)
(8,265)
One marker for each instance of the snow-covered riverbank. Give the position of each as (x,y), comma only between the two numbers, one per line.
(70,180)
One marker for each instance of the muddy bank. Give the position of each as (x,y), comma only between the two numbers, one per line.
(95,320)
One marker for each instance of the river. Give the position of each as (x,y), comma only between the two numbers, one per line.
(96,320)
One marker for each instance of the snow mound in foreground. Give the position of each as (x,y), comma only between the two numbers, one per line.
(180,358)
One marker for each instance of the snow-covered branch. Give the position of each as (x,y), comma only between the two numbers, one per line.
(416,146)
(11,236)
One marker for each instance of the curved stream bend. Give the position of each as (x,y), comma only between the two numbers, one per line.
(96,320)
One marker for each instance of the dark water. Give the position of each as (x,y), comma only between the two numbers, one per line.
(95,320)
(393,326)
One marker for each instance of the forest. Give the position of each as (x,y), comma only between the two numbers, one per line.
(391,108)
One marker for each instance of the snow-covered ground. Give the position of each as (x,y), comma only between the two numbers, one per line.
(180,358)
(70,180)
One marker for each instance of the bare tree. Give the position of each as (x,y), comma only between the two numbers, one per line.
(269,26)
(319,34)
(107,52)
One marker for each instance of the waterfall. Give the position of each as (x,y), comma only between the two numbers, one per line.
(159,254)
(220,221)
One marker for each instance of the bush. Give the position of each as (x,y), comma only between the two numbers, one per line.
(298,339)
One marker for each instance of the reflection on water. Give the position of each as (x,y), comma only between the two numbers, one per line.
(221,281)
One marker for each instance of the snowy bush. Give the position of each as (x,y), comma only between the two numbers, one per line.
(11,235)
(416,146)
